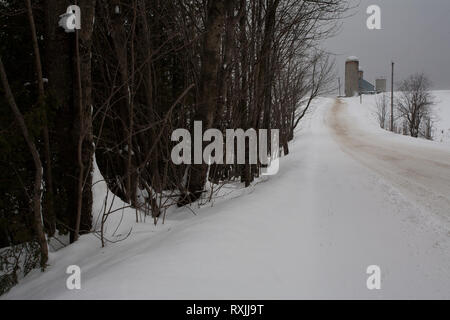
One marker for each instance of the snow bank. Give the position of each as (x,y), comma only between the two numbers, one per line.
(310,231)
(442,117)
(366,114)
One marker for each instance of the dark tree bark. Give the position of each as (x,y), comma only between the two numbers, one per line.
(39,228)
(210,62)
(73,112)
(265,73)
(83,124)
(49,214)
(59,71)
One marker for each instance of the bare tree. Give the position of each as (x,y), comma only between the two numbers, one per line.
(39,229)
(382,109)
(50,216)
(414,102)
(210,61)
(319,77)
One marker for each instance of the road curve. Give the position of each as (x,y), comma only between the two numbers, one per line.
(420,172)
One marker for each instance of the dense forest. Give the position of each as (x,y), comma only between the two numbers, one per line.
(111,93)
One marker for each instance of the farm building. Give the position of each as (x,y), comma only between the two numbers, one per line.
(354,79)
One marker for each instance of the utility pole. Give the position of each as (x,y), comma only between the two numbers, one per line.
(392,98)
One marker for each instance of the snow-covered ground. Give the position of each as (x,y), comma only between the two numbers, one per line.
(311,231)
(440,113)
(418,167)
(442,116)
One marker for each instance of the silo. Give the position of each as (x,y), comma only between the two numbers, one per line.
(351,76)
(360,73)
(380,84)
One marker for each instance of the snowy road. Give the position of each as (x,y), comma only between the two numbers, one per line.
(344,199)
(420,171)
(368,210)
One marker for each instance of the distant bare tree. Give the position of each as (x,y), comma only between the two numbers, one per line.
(414,102)
(382,109)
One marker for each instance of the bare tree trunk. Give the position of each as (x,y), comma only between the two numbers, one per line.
(37,163)
(246,176)
(58,61)
(147,48)
(84,126)
(264,81)
(120,41)
(79,102)
(210,61)
(73,130)
(50,219)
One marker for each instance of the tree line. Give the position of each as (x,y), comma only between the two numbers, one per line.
(413,112)
(113,92)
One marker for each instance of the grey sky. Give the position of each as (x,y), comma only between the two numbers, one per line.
(415,34)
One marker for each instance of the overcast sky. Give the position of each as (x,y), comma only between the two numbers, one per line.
(415,34)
